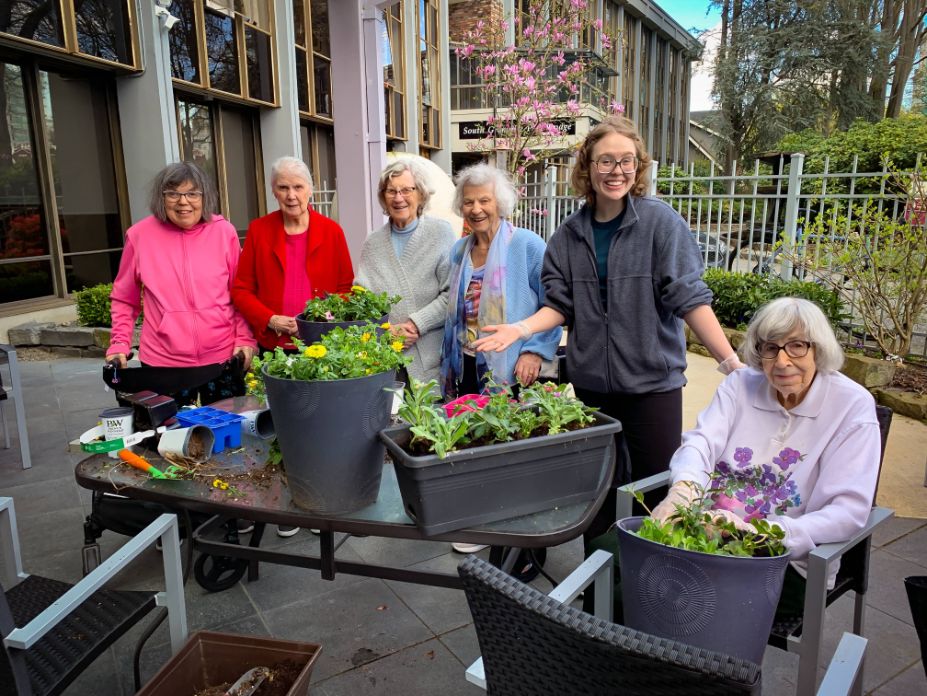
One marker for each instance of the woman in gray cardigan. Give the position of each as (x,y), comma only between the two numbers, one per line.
(408,257)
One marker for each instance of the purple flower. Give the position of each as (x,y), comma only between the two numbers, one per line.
(723,467)
(743,455)
(787,457)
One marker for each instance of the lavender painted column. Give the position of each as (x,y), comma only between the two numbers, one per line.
(360,131)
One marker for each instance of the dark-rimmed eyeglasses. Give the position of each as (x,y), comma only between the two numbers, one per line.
(606,164)
(393,193)
(174,196)
(794,349)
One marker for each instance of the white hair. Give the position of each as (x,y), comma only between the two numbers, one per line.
(290,165)
(484,174)
(779,318)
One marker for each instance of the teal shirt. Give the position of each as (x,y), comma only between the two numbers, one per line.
(604,232)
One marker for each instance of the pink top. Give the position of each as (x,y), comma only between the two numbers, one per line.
(296,287)
(187,278)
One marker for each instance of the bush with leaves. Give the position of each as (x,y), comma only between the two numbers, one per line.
(738,296)
(360,304)
(93,305)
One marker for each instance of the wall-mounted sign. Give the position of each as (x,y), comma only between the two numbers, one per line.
(475,130)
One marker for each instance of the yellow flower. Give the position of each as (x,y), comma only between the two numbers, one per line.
(250,375)
(358,289)
(362,354)
(397,346)
(366,337)
(315,351)
(385,326)
(252,383)
(216,483)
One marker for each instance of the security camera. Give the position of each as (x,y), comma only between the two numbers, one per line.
(167,19)
(163,3)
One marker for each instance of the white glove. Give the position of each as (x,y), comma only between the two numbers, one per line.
(728,516)
(681,493)
(729,364)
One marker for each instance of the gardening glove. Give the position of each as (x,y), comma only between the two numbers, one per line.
(729,364)
(681,493)
(728,516)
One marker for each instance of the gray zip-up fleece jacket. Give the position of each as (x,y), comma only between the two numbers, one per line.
(654,279)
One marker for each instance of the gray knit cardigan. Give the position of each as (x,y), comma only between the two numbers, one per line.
(419,276)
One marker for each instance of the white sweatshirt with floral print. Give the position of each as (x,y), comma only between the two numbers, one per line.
(822,456)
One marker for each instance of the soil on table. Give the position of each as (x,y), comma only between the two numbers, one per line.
(278,682)
(910,376)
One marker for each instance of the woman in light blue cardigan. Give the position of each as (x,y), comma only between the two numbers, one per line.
(495,277)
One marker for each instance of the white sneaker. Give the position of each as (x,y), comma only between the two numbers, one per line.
(467,548)
(286,531)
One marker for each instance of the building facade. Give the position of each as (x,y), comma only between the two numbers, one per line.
(98,95)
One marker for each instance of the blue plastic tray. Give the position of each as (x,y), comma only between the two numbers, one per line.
(225,426)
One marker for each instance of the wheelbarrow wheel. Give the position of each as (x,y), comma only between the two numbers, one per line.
(218,573)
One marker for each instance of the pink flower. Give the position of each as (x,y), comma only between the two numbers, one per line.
(329,316)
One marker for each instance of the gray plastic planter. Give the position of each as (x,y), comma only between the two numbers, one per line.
(722,603)
(328,437)
(496,482)
(312,331)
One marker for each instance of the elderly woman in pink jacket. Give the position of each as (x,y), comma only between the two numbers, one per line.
(181,261)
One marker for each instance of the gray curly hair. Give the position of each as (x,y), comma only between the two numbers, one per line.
(177,174)
(482,175)
(781,317)
(397,168)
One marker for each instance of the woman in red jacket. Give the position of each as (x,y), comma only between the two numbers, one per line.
(290,256)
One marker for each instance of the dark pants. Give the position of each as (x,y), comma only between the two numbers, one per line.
(651,430)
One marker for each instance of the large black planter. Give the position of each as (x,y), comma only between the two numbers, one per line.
(509,479)
(916,587)
(312,331)
(722,603)
(328,437)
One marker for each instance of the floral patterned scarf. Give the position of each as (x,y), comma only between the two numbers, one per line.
(492,310)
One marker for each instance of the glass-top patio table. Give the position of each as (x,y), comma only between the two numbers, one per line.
(256,492)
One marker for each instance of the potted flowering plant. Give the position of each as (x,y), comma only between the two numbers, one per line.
(495,457)
(701,580)
(354,308)
(328,402)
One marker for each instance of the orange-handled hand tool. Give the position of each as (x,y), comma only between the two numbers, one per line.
(133,460)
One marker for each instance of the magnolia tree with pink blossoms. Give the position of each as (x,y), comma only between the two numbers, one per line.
(536,84)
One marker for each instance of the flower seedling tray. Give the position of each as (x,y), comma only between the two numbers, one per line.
(486,484)
(225,426)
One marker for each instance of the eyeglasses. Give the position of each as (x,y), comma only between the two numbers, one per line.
(794,349)
(393,193)
(606,164)
(191,196)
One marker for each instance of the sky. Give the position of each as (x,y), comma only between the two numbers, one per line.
(698,14)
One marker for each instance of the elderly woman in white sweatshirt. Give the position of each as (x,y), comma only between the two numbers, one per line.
(809,432)
(408,257)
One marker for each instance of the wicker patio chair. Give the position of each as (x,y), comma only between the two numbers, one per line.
(803,633)
(533,643)
(52,630)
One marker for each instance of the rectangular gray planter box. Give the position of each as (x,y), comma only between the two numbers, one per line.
(479,485)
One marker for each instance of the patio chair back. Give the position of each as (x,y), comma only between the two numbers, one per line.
(533,644)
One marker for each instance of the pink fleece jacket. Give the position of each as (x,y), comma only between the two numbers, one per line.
(185,277)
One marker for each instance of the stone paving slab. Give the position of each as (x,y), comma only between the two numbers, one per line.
(378,637)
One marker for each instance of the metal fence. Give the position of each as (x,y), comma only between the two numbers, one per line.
(738,218)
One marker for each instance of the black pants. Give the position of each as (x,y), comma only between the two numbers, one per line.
(651,430)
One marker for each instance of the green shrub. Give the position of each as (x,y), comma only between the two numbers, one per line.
(93,305)
(739,295)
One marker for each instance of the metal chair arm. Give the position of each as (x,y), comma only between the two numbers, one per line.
(845,667)
(827,553)
(626,492)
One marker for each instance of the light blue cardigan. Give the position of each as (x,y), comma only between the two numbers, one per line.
(524,293)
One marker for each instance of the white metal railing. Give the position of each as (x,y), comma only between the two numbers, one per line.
(737,218)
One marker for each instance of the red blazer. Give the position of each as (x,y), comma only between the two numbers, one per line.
(258,288)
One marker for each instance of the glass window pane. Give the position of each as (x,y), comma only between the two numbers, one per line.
(86,270)
(182,38)
(299,22)
(260,74)
(399,115)
(240,168)
(38,20)
(23,231)
(256,12)
(320,42)
(323,87)
(103,29)
(83,174)
(302,80)
(222,51)
(197,140)
(325,176)
(23,281)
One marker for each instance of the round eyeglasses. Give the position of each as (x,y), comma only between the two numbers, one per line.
(794,349)
(405,192)
(191,196)
(606,164)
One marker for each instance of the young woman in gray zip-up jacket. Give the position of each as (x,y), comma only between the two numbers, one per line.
(623,273)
